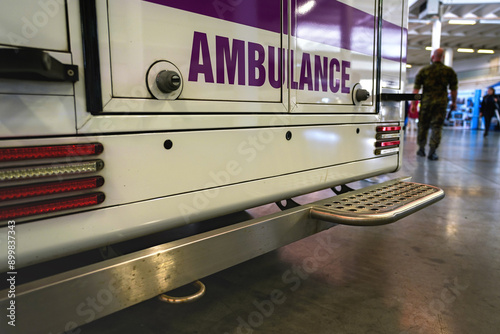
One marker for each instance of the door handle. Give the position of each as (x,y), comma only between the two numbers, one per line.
(33,64)
(399,97)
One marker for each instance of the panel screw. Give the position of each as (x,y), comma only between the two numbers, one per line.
(168,144)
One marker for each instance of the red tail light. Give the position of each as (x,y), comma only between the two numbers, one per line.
(387,143)
(35,208)
(387,139)
(49,188)
(45,152)
(388,128)
(19,184)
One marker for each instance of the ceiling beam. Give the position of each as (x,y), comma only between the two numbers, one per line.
(489,11)
(468,2)
(459,33)
(445,19)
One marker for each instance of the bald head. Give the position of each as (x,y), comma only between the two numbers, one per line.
(438,55)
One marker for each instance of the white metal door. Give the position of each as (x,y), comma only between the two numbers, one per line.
(223,53)
(334,51)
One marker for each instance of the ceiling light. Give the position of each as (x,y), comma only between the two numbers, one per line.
(489,21)
(485,51)
(463,22)
(464,50)
(408,65)
(428,48)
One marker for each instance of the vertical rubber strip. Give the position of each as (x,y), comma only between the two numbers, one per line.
(289,64)
(92,68)
(284,32)
(379,55)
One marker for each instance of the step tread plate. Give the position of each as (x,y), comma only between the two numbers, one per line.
(380,204)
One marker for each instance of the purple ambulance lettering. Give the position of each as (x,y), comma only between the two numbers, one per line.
(320,73)
(225,57)
(306,72)
(200,46)
(276,82)
(231,56)
(256,69)
(345,76)
(334,83)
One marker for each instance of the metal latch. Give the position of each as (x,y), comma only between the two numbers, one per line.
(33,64)
(168,81)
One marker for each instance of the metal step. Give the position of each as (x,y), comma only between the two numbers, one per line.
(377,205)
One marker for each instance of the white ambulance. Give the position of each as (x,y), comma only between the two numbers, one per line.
(124,118)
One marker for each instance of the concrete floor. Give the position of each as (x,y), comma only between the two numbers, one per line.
(436,271)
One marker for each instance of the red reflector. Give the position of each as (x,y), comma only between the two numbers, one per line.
(387,143)
(44,152)
(388,128)
(36,208)
(49,188)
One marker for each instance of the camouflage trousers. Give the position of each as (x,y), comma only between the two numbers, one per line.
(431,116)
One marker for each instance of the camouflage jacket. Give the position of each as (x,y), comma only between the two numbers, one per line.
(436,78)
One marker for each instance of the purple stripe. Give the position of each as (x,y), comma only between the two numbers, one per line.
(334,23)
(337,24)
(392,49)
(262,14)
(328,22)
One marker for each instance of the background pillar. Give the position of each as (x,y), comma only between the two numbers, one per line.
(436,34)
(475,113)
(448,57)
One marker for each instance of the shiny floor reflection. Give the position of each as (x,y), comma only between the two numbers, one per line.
(436,271)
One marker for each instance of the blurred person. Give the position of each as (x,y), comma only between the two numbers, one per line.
(488,106)
(435,79)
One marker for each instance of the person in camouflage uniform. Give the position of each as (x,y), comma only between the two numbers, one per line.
(435,79)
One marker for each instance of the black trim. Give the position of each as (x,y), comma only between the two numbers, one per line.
(399,97)
(92,67)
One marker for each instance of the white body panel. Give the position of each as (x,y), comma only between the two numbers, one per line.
(230,148)
(36,115)
(110,225)
(35,24)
